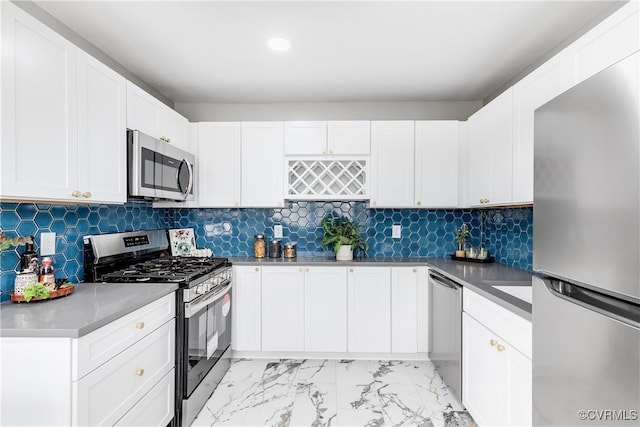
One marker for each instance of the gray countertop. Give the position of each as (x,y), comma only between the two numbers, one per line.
(89,307)
(475,276)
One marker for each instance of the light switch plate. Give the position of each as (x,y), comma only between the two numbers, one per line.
(396,231)
(277,232)
(47,243)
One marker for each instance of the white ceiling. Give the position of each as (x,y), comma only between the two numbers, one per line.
(211,51)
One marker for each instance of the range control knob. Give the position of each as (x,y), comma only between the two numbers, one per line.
(201,289)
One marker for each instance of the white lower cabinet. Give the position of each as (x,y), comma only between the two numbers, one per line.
(369,302)
(409,310)
(74,385)
(283,309)
(325,309)
(330,309)
(496,375)
(156,407)
(132,373)
(247,313)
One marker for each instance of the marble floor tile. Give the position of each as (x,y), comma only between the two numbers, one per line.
(332,393)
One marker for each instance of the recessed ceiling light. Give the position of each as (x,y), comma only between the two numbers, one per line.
(279,44)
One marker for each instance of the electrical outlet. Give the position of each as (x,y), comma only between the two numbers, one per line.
(47,244)
(396,231)
(277,232)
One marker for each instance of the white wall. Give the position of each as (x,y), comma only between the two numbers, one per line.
(202,112)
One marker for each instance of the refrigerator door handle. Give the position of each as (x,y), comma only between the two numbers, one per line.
(623,311)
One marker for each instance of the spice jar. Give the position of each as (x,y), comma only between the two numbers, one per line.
(274,249)
(259,246)
(290,250)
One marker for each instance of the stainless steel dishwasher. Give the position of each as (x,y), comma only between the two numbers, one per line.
(445,330)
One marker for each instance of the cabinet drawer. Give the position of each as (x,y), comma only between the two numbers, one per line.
(107,393)
(509,326)
(96,348)
(155,408)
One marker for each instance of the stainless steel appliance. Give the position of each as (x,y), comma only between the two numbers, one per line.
(445,330)
(203,305)
(586,304)
(158,170)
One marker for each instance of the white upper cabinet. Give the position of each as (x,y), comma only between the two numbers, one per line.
(219,147)
(436,163)
(610,41)
(39,109)
(302,138)
(541,86)
(63,118)
(148,115)
(392,163)
(349,137)
(490,133)
(102,131)
(327,138)
(262,164)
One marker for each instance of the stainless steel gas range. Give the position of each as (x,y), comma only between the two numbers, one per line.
(203,305)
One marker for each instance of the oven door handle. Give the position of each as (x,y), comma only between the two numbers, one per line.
(191,308)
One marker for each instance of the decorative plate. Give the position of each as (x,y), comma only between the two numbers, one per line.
(183,241)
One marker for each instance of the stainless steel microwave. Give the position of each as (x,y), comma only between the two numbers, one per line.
(158,170)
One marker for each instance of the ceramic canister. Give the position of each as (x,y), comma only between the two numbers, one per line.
(23,280)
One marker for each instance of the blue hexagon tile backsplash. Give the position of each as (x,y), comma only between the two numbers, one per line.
(507,233)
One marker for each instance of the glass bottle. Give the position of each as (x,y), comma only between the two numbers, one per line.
(259,246)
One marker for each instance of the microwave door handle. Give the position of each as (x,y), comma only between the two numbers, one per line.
(190,186)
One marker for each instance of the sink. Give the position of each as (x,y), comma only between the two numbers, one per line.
(521,292)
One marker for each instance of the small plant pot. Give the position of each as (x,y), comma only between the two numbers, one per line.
(345,253)
(460,254)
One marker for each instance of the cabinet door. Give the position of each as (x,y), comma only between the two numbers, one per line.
(404,309)
(482,381)
(541,86)
(325,309)
(262,164)
(305,138)
(143,111)
(491,139)
(175,129)
(612,40)
(436,163)
(102,130)
(369,309)
(349,137)
(247,304)
(39,109)
(518,391)
(283,309)
(392,162)
(219,145)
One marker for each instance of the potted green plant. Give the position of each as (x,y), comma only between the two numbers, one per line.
(342,234)
(461,235)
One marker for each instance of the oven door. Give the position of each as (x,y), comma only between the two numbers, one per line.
(158,170)
(207,335)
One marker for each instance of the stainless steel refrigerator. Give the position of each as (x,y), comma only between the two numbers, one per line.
(586,213)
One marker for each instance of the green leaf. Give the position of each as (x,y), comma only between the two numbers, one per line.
(37,290)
